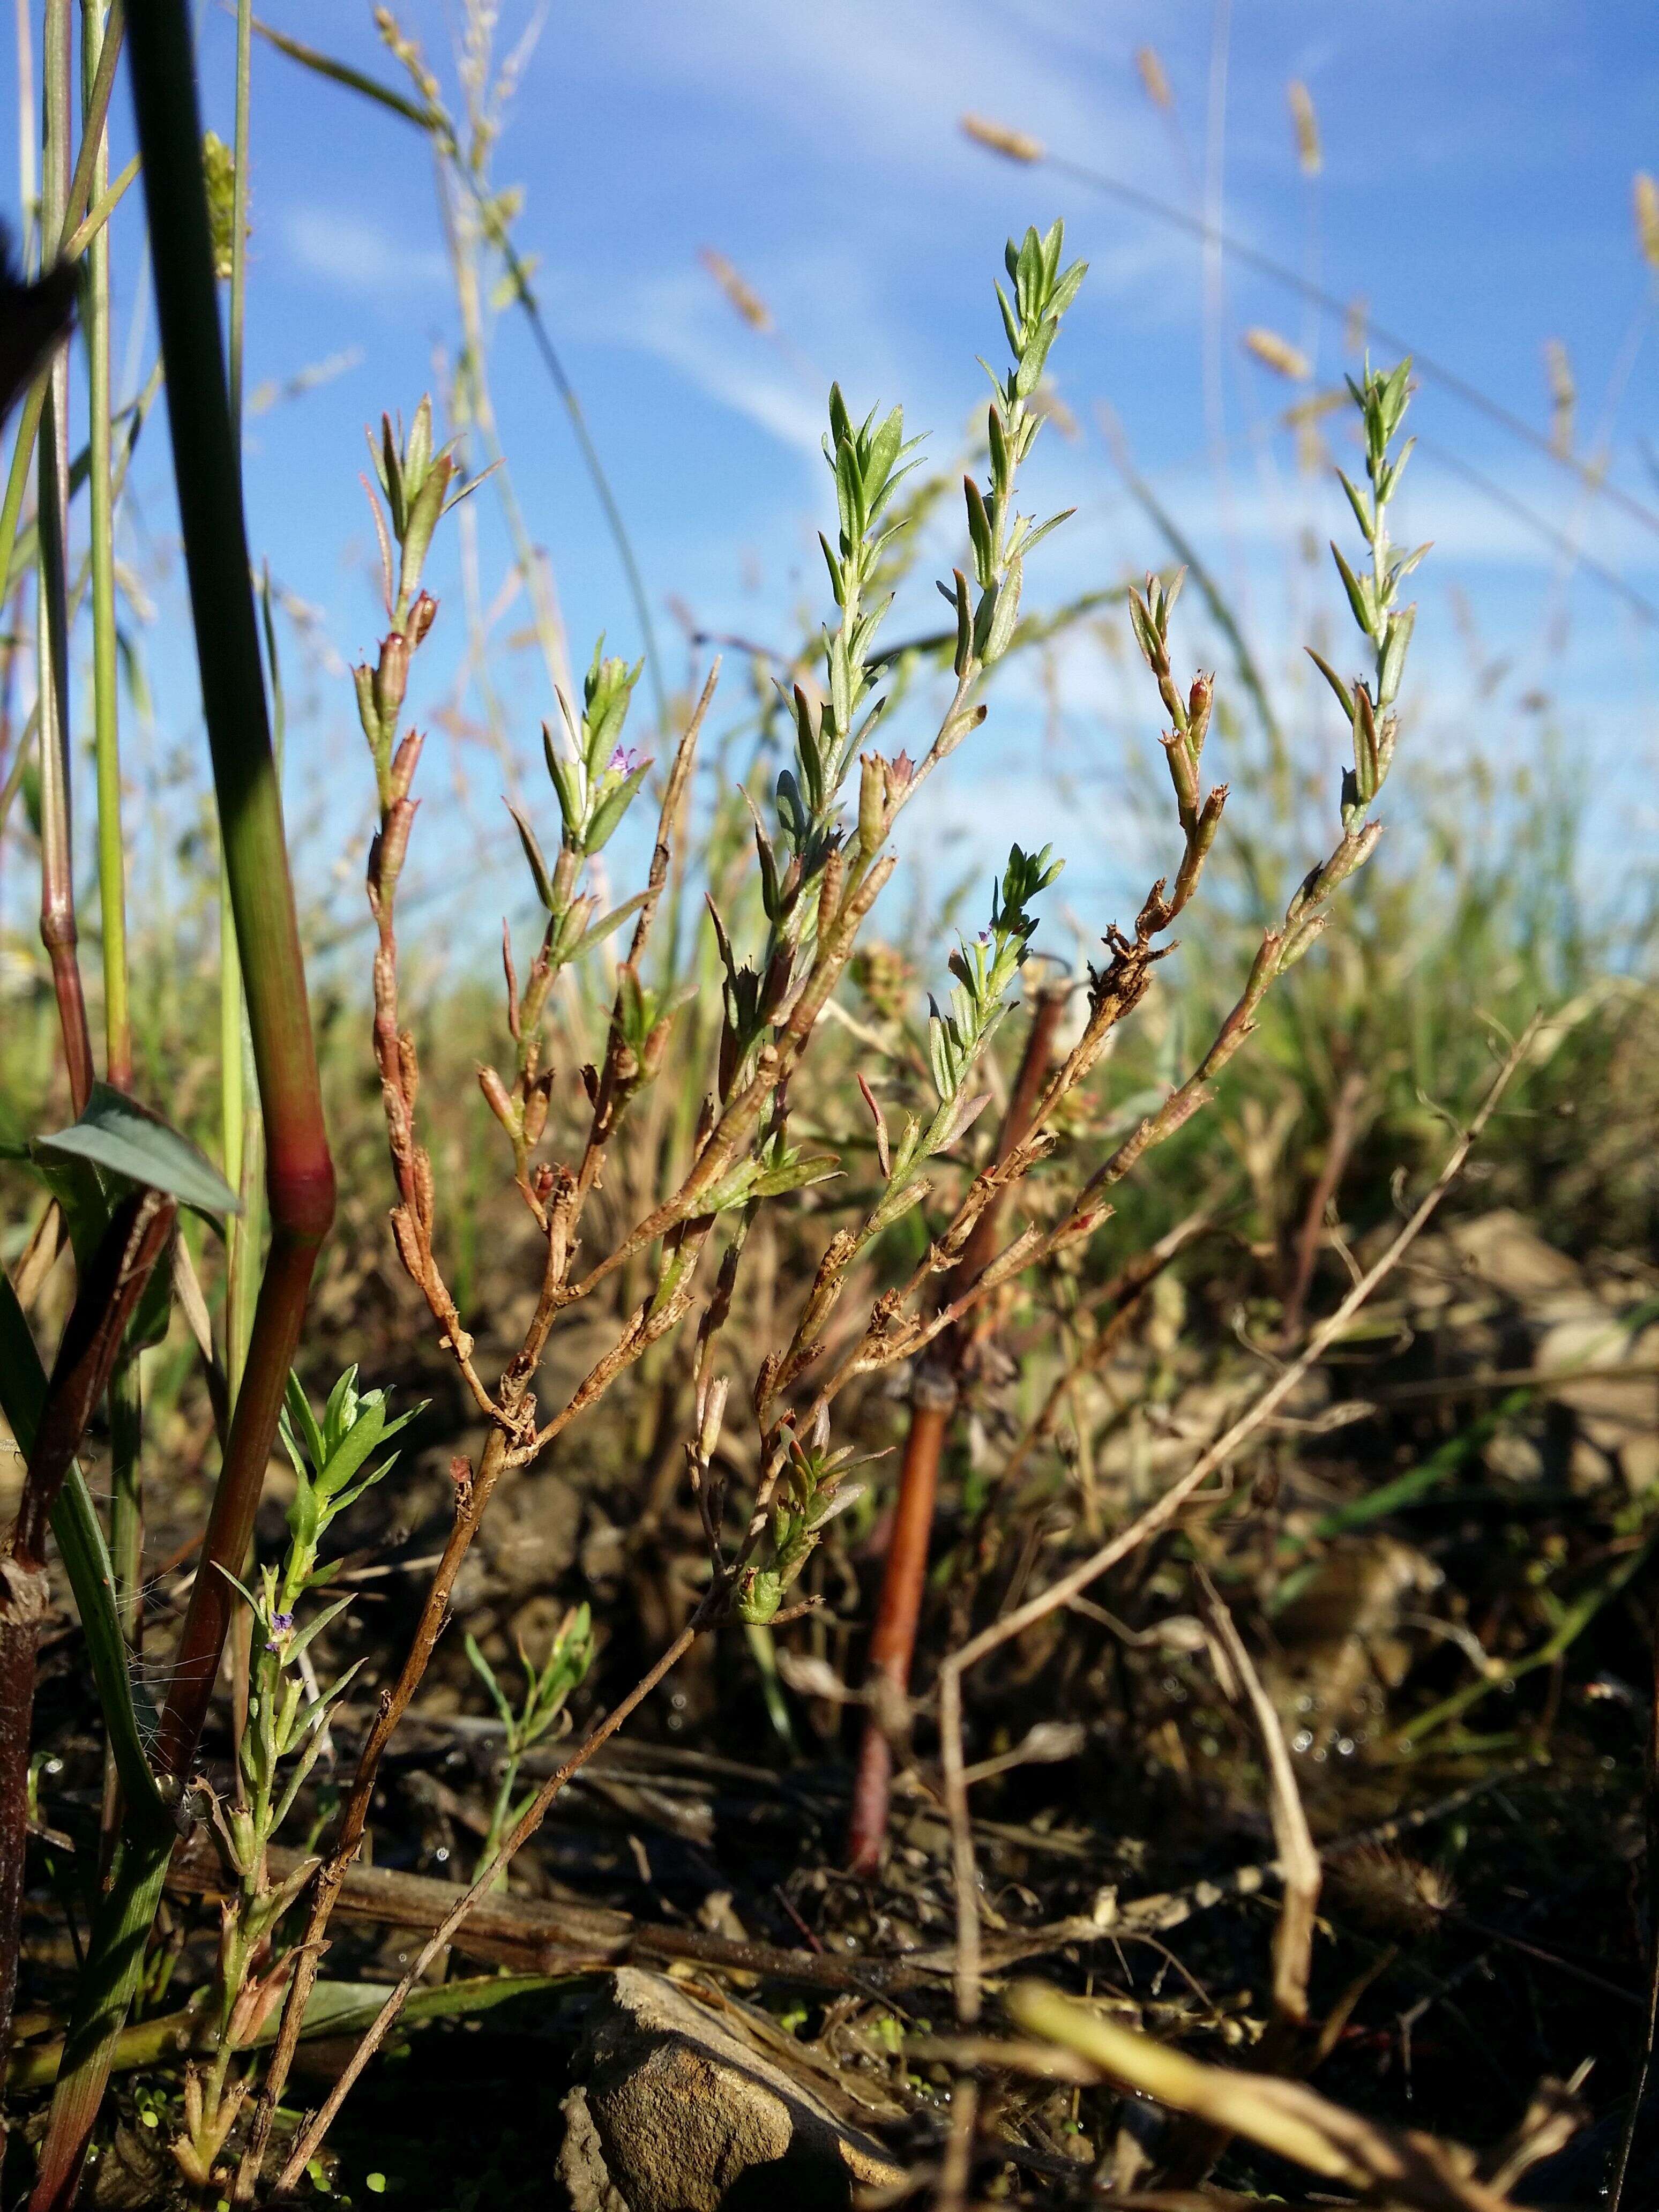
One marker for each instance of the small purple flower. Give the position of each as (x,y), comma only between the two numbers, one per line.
(281,1624)
(623,760)
(985,937)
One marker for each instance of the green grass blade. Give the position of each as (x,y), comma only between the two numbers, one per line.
(335,2008)
(103,1996)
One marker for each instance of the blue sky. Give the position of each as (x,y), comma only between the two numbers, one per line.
(1476,190)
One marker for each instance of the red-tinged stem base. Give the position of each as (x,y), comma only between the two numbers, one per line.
(894,1639)
(276,1324)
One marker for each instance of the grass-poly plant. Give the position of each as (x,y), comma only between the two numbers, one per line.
(819,877)
(723,1204)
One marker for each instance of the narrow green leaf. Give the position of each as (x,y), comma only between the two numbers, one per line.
(1358,594)
(596,932)
(1345,697)
(354,80)
(104,1991)
(298,1418)
(1001,630)
(533,853)
(1035,537)
(486,1674)
(979,530)
(1360,505)
(610,812)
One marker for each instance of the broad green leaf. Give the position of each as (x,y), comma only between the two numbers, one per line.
(117,1134)
(84,1201)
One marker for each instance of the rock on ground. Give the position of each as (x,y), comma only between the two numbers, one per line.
(672,2112)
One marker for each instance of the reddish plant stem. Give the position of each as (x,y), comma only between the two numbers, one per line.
(1345,1128)
(115,1277)
(893,1640)
(208,471)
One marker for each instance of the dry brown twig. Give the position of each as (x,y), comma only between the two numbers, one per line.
(1124,1294)
(511,1438)
(1198,2143)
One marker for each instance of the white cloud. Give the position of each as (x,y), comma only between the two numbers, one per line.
(355,253)
(879,86)
(681,319)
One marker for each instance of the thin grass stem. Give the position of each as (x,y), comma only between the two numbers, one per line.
(58,931)
(96,332)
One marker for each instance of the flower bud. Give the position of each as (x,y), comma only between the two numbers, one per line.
(405,761)
(534,1106)
(390,680)
(765,1376)
(422,616)
(501,1105)
(392,843)
(425,1189)
(779,971)
(368,713)
(711,1412)
(656,1044)
(1198,710)
(872,808)
(408,1244)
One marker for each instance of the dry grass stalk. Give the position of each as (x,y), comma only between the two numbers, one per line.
(1299,1855)
(1381,2166)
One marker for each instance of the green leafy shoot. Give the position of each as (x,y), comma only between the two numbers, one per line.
(984,969)
(548,1689)
(329,1458)
(1373,590)
(813,1491)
